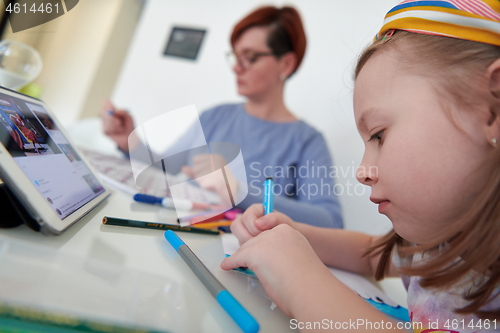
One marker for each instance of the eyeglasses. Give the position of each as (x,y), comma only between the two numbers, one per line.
(245,59)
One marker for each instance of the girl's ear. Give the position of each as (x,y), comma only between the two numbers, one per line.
(493,129)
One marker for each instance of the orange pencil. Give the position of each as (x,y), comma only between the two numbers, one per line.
(212,225)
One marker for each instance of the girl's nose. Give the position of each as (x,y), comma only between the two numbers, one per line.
(367,173)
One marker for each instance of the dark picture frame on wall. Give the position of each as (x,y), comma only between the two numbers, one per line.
(184,42)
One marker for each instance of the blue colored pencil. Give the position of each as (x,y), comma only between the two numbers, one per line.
(245,321)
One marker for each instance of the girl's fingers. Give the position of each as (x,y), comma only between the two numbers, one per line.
(266,222)
(240,231)
(237,259)
(249,218)
(231,262)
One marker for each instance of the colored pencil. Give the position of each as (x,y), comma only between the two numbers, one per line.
(152,225)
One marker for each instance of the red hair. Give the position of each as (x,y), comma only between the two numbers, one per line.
(286,34)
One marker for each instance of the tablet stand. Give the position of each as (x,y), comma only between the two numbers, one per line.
(13,212)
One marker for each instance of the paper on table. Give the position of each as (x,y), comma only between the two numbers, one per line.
(230,243)
(117,172)
(362,286)
(357,283)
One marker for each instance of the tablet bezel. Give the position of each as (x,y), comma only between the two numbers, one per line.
(26,192)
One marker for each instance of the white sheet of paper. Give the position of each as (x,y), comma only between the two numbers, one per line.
(357,283)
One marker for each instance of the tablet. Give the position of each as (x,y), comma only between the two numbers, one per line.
(41,167)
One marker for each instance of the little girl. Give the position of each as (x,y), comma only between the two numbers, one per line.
(427,106)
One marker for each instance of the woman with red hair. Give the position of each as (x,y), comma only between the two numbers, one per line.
(268,46)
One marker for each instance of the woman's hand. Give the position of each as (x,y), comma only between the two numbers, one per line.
(202,171)
(284,262)
(117,124)
(253,222)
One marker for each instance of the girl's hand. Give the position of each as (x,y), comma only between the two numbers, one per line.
(284,262)
(253,222)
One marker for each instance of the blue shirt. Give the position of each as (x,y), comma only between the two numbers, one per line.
(293,153)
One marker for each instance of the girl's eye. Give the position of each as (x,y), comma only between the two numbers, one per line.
(377,136)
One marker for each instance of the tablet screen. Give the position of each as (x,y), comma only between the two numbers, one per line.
(45,156)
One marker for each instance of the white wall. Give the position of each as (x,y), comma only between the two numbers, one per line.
(320,92)
(82,53)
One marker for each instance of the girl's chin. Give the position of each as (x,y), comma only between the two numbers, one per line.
(409,235)
(400,229)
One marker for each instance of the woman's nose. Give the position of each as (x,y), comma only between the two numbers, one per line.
(238,67)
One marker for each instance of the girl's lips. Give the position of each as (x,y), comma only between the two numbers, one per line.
(382,206)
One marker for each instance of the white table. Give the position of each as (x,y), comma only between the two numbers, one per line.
(184,304)
(147,251)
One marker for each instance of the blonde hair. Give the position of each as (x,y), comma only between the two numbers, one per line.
(456,67)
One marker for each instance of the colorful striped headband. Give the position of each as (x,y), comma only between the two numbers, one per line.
(475,20)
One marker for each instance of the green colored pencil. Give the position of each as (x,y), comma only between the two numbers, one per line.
(151,225)
(23,319)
